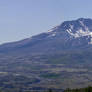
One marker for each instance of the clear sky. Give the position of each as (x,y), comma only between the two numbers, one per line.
(21,19)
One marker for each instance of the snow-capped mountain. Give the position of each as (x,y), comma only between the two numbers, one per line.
(68,35)
(75,29)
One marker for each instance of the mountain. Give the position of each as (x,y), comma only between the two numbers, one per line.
(69,35)
(57,59)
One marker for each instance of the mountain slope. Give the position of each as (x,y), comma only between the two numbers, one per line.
(69,35)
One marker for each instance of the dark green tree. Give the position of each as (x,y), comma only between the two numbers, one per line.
(50,90)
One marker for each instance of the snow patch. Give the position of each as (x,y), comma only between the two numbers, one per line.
(81,22)
(79,33)
(53,34)
(71,26)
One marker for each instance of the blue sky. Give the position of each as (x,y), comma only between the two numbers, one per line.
(21,19)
